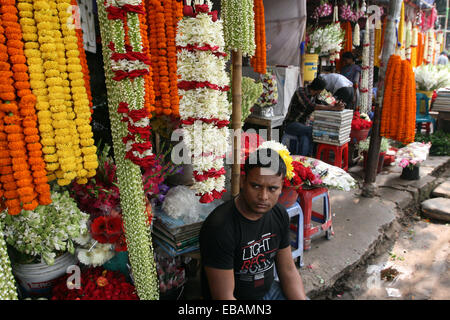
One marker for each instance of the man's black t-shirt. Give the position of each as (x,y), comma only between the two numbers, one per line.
(228,240)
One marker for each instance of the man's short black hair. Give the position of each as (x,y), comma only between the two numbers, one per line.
(348,55)
(318,84)
(265,158)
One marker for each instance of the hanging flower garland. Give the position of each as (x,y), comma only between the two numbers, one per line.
(378,47)
(239,26)
(323,10)
(129,97)
(399,103)
(204,108)
(364,89)
(258,61)
(8,290)
(356,35)
(83,59)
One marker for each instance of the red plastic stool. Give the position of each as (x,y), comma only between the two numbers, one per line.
(340,154)
(306,198)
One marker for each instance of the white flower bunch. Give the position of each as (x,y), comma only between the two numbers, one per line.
(96,253)
(327,39)
(47,229)
(431,77)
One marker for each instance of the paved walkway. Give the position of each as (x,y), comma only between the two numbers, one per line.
(361,224)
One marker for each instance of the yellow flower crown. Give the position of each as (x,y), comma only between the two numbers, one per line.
(284,154)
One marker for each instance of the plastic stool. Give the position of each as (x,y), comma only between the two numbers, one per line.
(340,153)
(307,197)
(291,142)
(295,210)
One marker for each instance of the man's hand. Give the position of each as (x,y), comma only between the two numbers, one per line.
(339,106)
(290,279)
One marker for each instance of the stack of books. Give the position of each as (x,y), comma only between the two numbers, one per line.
(442,102)
(332,127)
(174,235)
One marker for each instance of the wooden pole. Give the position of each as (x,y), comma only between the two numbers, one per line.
(390,43)
(236,58)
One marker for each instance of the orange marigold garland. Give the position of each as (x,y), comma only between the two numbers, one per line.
(149,91)
(258,61)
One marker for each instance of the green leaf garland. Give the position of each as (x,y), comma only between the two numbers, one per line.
(239,26)
(129,175)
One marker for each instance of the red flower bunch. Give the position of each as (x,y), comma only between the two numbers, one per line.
(108,229)
(303,175)
(359,123)
(96,284)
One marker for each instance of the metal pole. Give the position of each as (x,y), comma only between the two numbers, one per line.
(390,43)
(236,58)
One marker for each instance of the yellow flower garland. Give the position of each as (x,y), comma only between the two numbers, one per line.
(79,93)
(47,32)
(38,85)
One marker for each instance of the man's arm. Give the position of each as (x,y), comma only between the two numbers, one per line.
(337,107)
(290,279)
(221,283)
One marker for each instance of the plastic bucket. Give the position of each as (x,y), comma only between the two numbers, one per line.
(310,62)
(429,94)
(409,173)
(359,135)
(38,279)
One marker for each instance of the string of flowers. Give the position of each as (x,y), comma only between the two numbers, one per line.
(8,290)
(38,86)
(149,91)
(364,89)
(83,59)
(84,147)
(238,26)
(129,175)
(356,35)
(204,108)
(399,103)
(26,108)
(258,61)
(19,189)
(378,47)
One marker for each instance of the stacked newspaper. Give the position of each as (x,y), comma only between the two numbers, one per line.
(442,102)
(332,127)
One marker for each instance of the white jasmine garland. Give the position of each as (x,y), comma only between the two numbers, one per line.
(127,65)
(239,26)
(206,142)
(8,290)
(356,35)
(365,103)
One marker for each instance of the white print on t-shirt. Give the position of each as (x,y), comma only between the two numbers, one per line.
(255,255)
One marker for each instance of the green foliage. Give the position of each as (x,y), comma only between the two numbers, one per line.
(251,91)
(440,142)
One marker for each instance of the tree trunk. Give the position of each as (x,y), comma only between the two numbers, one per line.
(236,119)
(390,43)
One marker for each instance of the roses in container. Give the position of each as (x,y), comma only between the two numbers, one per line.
(47,230)
(361,121)
(96,284)
(413,154)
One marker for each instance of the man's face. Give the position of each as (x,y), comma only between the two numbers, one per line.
(260,190)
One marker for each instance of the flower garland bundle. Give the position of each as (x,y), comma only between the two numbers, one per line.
(258,61)
(83,59)
(399,103)
(430,48)
(378,47)
(20,122)
(129,175)
(204,107)
(356,35)
(365,73)
(85,150)
(408,36)
(239,26)
(346,12)
(8,290)
(401,28)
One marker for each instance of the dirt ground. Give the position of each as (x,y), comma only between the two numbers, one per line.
(416,266)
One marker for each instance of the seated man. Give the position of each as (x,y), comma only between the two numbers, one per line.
(340,87)
(300,109)
(242,239)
